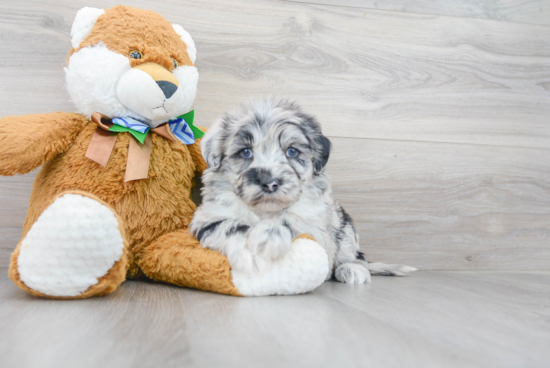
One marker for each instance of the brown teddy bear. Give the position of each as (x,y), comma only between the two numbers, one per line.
(113,197)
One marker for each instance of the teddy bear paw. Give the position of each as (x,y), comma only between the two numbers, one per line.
(72,244)
(302,269)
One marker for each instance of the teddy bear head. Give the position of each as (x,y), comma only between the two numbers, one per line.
(127,62)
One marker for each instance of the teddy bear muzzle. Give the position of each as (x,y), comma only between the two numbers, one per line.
(146,89)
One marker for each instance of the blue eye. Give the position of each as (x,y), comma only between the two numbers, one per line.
(292,152)
(246,153)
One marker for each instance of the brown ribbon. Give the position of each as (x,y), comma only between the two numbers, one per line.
(103,141)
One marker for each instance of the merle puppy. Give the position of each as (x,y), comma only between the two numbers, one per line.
(266,185)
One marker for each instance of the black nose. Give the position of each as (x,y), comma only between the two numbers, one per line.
(270,185)
(263,178)
(168,88)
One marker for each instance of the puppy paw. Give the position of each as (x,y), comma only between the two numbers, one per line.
(241,259)
(352,273)
(267,241)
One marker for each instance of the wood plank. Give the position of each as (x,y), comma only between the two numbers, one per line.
(476,314)
(431,319)
(446,206)
(430,205)
(14,199)
(533,11)
(365,73)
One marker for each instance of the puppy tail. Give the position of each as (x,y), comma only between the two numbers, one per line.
(384,269)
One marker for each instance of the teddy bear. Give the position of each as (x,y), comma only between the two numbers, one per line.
(112,199)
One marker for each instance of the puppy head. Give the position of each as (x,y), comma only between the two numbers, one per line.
(267,150)
(131,62)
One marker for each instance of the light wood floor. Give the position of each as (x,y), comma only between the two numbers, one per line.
(439,112)
(431,319)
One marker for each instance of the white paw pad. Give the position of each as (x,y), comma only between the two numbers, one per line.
(303,268)
(74,242)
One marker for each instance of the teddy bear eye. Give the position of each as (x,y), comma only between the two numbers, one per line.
(135,54)
(175,63)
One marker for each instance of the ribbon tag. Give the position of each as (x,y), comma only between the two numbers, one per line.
(139,155)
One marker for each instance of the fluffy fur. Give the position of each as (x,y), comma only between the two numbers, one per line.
(266,184)
(100,75)
(153,213)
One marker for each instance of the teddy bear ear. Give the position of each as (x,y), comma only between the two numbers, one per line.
(186,37)
(83,23)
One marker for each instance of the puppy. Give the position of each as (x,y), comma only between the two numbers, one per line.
(266,185)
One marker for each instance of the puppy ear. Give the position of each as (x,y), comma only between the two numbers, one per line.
(83,23)
(186,37)
(322,153)
(212,147)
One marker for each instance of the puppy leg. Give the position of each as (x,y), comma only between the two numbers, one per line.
(351,266)
(227,236)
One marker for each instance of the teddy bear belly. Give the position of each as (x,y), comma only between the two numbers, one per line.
(149,207)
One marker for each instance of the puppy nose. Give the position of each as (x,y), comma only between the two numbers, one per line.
(168,88)
(270,185)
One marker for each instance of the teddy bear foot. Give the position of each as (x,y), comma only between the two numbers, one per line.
(75,249)
(302,269)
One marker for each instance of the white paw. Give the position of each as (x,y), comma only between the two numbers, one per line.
(303,268)
(74,242)
(267,241)
(352,273)
(241,259)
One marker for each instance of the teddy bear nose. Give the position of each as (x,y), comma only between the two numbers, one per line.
(168,88)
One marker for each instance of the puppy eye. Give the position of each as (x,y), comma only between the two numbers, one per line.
(175,63)
(135,54)
(246,153)
(292,152)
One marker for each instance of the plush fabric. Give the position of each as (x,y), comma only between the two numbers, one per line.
(29,141)
(104,285)
(123,29)
(147,209)
(191,266)
(303,268)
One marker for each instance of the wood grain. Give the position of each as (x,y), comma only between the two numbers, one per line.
(533,11)
(431,319)
(440,124)
(446,206)
(365,73)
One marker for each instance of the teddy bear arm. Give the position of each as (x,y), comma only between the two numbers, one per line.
(30,140)
(179,259)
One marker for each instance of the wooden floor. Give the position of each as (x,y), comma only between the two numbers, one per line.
(439,113)
(431,319)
